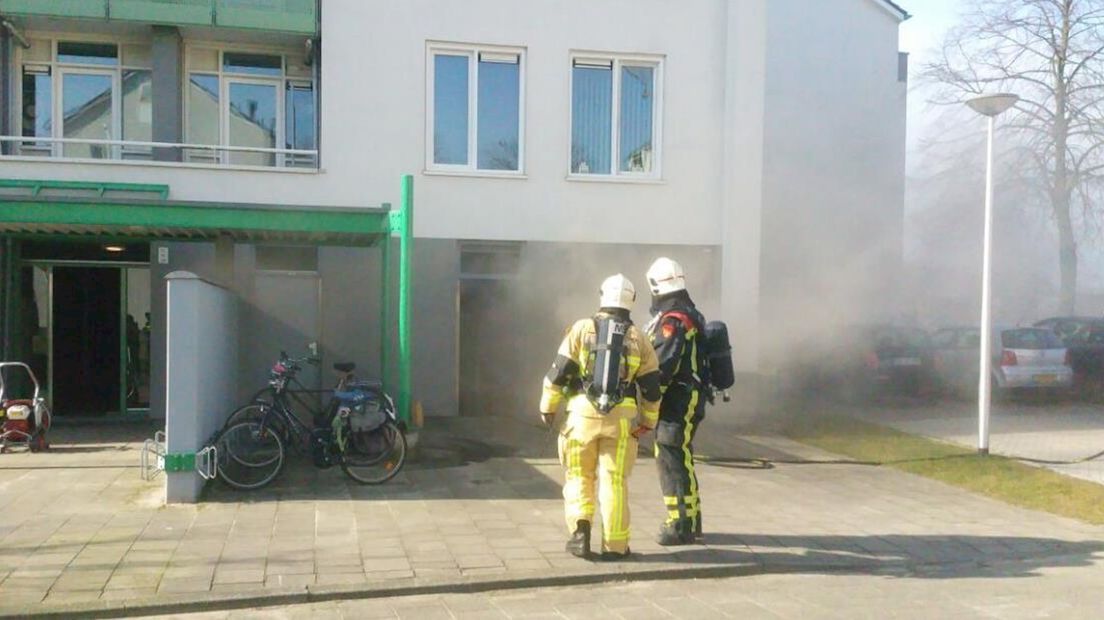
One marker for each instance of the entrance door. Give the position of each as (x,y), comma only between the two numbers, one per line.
(86,306)
(285,317)
(137,344)
(88,111)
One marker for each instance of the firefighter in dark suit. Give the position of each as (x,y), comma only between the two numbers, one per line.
(676,332)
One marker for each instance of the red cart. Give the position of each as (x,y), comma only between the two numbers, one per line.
(23,421)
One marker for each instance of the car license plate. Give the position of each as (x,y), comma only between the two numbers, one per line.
(1045,379)
(906,361)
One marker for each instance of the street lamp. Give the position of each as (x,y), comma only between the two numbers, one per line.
(990,106)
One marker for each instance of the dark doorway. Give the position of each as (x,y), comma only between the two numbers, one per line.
(490,366)
(86,340)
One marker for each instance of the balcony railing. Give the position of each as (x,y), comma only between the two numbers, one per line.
(81,149)
(298,16)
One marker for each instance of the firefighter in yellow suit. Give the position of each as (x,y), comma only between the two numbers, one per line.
(606,369)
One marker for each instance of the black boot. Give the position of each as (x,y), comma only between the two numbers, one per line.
(698,536)
(579,543)
(613,556)
(672,534)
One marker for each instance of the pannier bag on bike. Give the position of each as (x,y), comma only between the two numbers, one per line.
(366,418)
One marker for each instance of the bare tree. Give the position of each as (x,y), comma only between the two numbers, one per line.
(1051,54)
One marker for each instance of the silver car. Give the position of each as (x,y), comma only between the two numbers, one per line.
(1024,359)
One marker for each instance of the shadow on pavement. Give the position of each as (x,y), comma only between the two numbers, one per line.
(70,434)
(455,458)
(923,556)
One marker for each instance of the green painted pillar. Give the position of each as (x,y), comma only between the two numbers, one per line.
(406,249)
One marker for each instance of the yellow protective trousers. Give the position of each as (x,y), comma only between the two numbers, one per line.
(598,450)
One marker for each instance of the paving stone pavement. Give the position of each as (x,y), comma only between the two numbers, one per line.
(1039,429)
(82,532)
(1067,593)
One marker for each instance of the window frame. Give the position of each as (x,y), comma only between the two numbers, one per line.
(225,117)
(58,69)
(472,52)
(224,77)
(656,62)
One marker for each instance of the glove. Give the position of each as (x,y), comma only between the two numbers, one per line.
(548,419)
(641,430)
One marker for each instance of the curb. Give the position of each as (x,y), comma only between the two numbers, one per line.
(625,573)
(203,602)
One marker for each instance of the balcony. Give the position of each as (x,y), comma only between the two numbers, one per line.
(294,16)
(81,150)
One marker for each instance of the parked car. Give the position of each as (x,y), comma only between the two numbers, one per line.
(1084,337)
(1025,359)
(863,362)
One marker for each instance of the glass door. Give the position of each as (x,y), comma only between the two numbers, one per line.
(136,337)
(88,111)
(252,119)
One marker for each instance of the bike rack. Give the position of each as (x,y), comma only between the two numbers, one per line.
(206,463)
(153,456)
(156,459)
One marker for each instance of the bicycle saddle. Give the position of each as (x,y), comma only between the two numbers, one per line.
(345,367)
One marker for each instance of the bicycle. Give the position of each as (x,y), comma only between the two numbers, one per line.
(357,430)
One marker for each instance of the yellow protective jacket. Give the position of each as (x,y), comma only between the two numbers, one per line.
(565,378)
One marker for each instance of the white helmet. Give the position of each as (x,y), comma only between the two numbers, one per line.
(666,276)
(617,292)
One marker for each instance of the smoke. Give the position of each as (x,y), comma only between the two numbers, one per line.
(518,317)
(944,232)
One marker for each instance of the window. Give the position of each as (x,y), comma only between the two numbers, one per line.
(286,258)
(299,114)
(90,94)
(475,110)
(1034,339)
(250,100)
(38,111)
(615,112)
(106,54)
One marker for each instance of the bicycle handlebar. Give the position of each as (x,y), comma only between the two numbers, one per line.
(287,366)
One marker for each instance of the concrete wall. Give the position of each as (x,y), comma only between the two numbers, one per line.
(833,167)
(739,225)
(435,345)
(201,371)
(349,318)
(198,258)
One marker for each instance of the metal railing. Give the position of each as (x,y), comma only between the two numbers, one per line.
(139,150)
(298,16)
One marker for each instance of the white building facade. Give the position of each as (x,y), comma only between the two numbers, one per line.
(760,142)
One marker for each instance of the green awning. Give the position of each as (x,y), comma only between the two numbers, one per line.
(124,211)
(104,210)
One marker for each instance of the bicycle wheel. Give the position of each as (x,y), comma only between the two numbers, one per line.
(375,457)
(250,456)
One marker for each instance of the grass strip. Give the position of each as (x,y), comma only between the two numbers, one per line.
(994,476)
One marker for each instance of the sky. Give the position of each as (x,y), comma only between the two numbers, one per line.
(920,37)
